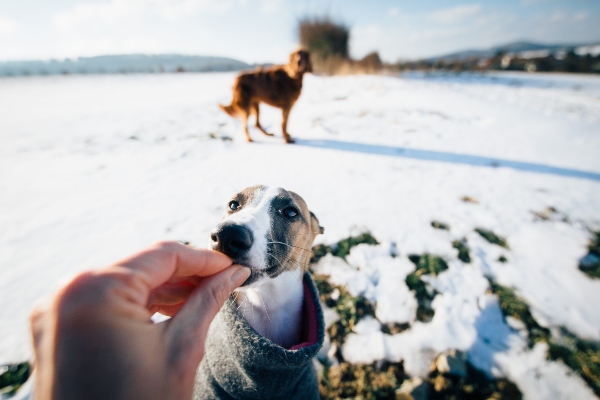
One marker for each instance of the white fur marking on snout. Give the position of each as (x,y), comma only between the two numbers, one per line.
(256,217)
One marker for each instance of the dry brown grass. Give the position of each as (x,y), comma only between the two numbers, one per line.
(327,40)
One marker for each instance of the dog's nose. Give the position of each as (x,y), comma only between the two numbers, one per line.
(232,240)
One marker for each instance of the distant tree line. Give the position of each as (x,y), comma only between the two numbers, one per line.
(122,64)
(560,61)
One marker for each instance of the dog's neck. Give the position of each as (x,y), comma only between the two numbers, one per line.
(293,73)
(273,307)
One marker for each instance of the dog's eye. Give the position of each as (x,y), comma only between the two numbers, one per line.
(234,205)
(290,212)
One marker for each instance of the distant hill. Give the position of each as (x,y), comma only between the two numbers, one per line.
(118,64)
(514,47)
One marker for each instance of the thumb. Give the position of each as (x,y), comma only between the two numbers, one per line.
(187,330)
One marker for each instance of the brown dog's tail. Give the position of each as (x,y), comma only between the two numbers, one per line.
(229,110)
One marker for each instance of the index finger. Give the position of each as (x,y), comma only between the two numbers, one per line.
(167,260)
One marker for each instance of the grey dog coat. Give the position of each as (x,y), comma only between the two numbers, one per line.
(239,363)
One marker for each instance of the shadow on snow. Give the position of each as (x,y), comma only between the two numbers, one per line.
(454,158)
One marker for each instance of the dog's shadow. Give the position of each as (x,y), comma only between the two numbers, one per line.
(493,336)
(440,156)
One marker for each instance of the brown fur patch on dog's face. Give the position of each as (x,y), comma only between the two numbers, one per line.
(293,230)
(282,226)
(300,61)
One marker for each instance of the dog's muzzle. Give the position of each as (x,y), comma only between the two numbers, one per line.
(232,240)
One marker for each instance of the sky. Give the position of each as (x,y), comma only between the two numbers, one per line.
(265,30)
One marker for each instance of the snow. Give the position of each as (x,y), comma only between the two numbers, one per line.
(93,168)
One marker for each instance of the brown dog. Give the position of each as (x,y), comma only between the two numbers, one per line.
(277,86)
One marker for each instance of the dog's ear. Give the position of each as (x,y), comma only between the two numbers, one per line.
(309,67)
(316,227)
(294,59)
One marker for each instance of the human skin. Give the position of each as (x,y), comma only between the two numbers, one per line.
(94,338)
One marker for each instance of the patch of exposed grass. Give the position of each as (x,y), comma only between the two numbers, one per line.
(502,259)
(13,376)
(463,250)
(492,237)
(351,309)
(319,251)
(361,381)
(513,306)
(594,245)
(427,264)
(475,385)
(323,286)
(392,329)
(343,247)
(382,379)
(424,298)
(590,264)
(581,356)
(440,225)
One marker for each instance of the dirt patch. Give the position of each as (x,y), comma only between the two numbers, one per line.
(468,199)
(474,386)
(392,329)
(361,381)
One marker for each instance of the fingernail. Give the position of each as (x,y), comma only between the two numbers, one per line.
(240,276)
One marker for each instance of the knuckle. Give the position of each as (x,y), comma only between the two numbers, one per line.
(169,246)
(91,288)
(78,285)
(218,294)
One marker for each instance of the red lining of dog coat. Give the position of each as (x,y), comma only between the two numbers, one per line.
(310,334)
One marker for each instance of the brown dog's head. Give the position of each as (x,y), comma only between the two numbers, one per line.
(268,229)
(300,62)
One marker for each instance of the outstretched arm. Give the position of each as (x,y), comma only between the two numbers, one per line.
(94,338)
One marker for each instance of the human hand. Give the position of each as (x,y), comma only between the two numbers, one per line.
(94,339)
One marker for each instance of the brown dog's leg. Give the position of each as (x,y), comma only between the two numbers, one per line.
(256,111)
(286,135)
(245,124)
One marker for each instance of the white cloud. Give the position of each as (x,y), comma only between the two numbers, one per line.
(116,11)
(393,12)
(269,6)
(558,16)
(455,14)
(564,16)
(7,26)
(580,16)
(110,12)
(530,2)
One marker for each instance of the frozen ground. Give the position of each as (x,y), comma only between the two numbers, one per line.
(95,167)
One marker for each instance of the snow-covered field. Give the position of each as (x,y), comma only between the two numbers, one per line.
(93,168)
